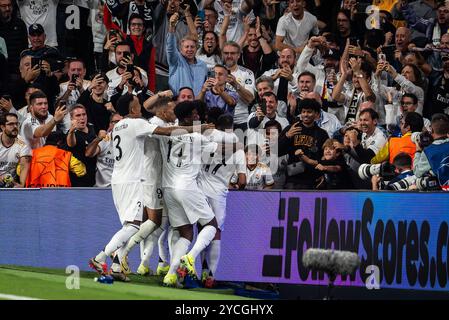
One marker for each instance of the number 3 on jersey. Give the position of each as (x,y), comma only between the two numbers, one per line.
(119,150)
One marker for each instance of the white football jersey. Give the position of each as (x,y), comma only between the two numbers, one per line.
(258,178)
(153,157)
(128,138)
(245,78)
(182,158)
(217,172)
(28,128)
(105,163)
(10,157)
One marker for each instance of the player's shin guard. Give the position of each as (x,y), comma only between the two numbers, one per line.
(120,238)
(146,229)
(147,246)
(164,252)
(203,240)
(213,255)
(173,237)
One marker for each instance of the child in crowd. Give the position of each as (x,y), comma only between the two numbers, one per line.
(332,165)
(258,175)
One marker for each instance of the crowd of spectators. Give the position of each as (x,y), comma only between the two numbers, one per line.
(335,94)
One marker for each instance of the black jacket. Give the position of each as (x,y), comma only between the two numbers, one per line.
(16,38)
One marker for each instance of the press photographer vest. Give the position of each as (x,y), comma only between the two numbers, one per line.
(49,168)
(438,156)
(403,144)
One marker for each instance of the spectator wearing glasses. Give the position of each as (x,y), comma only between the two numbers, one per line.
(394,114)
(13,151)
(141,48)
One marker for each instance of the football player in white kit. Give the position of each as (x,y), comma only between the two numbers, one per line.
(214,180)
(127,187)
(186,202)
(163,108)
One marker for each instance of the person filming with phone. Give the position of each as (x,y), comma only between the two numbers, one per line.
(124,70)
(266,111)
(215,93)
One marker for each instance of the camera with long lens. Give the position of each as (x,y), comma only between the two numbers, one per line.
(385,170)
(422,139)
(403,184)
(428,183)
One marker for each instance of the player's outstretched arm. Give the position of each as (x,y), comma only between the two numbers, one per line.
(180,130)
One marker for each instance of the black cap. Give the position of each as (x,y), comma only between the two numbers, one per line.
(36,29)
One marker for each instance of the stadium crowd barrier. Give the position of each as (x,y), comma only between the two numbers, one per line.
(401,237)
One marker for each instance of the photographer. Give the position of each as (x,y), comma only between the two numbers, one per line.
(411,122)
(397,177)
(434,159)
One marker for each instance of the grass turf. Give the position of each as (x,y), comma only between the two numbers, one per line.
(45,283)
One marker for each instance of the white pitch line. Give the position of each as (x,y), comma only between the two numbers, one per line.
(14,297)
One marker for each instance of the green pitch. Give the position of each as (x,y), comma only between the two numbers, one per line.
(40,283)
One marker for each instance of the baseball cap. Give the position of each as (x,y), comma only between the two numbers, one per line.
(36,29)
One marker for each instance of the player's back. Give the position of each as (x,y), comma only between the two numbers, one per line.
(217,171)
(128,137)
(153,157)
(181,156)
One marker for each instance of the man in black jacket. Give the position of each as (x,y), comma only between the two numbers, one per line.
(14,31)
(303,134)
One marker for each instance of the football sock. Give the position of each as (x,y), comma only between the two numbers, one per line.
(147,246)
(179,249)
(146,229)
(173,237)
(164,253)
(202,241)
(101,257)
(120,238)
(213,255)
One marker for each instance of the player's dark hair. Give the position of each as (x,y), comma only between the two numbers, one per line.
(213,114)
(225,121)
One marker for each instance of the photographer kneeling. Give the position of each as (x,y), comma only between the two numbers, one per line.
(433,160)
(386,176)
